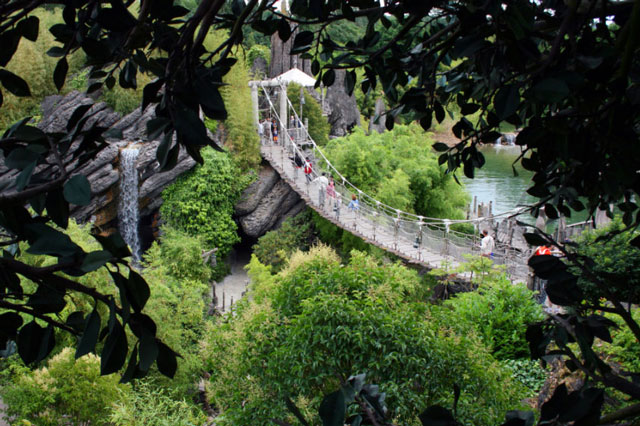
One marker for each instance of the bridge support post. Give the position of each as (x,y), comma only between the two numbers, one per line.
(283,111)
(254,104)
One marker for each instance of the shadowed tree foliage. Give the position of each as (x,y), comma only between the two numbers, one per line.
(565,72)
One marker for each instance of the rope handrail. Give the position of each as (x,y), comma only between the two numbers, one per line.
(513,212)
(420,238)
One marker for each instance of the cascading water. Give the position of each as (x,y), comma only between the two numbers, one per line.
(128,214)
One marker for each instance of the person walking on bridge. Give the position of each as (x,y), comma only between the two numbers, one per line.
(322,182)
(487,245)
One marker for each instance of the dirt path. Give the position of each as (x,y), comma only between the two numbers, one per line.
(231,288)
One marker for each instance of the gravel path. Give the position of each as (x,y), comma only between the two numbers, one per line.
(231,288)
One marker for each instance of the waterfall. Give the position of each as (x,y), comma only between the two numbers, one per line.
(128,214)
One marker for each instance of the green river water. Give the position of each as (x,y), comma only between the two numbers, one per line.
(496,182)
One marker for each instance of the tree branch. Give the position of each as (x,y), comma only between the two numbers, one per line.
(48,320)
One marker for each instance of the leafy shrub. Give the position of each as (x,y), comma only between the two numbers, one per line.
(615,261)
(274,247)
(401,169)
(36,67)
(242,136)
(319,127)
(258,51)
(499,312)
(65,390)
(179,254)
(318,322)
(200,202)
(528,372)
(150,406)
(122,100)
(625,348)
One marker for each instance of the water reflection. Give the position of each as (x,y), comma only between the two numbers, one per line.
(496,182)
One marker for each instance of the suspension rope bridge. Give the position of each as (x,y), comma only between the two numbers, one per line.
(427,241)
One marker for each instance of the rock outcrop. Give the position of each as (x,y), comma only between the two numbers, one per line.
(102,171)
(344,115)
(266,203)
(282,61)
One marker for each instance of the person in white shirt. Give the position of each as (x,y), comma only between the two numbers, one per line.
(322,182)
(487,244)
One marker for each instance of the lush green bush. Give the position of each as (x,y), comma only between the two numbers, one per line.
(317,322)
(33,64)
(615,261)
(527,371)
(275,247)
(319,127)
(625,348)
(200,202)
(401,169)
(122,100)
(66,390)
(179,283)
(241,134)
(499,312)
(149,406)
(259,51)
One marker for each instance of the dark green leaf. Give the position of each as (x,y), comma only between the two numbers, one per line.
(95,260)
(76,320)
(34,342)
(78,113)
(519,418)
(389,122)
(156,126)
(535,239)
(333,409)
(329,77)
(114,244)
(436,416)
(28,27)
(440,147)
(9,41)
(148,351)
(439,111)
(49,241)
(284,30)
(138,291)
(162,153)
(315,67)
(506,101)
(132,367)
(10,322)
(167,362)
(551,90)
(115,350)
(77,190)
(90,335)
(302,42)
(25,176)
(21,158)
(47,300)
(14,84)
(190,128)
(550,211)
(141,324)
(469,108)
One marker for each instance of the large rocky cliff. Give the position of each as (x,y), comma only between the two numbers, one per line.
(264,204)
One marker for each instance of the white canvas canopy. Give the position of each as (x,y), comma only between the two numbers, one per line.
(296,76)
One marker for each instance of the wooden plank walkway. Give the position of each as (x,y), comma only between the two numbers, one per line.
(356,222)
